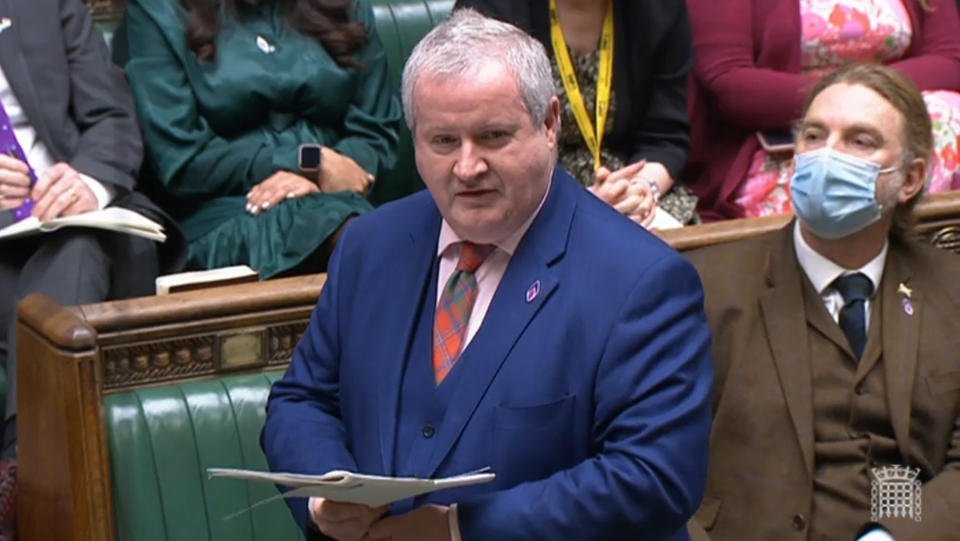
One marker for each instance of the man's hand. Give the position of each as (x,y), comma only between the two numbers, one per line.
(340,173)
(278,187)
(61,192)
(14,182)
(426,523)
(343,521)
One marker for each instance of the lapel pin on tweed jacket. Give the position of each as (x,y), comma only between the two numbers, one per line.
(907,292)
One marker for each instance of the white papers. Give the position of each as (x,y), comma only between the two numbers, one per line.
(183,281)
(663,220)
(342,486)
(110,218)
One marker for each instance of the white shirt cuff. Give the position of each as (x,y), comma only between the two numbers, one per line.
(103,192)
(453,517)
(876,534)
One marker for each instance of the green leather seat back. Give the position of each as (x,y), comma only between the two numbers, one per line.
(162,440)
(401,24)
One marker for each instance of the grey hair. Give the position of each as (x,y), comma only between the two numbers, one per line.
(465,43)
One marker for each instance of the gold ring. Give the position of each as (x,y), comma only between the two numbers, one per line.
(73,194)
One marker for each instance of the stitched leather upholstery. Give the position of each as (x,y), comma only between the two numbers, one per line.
(162,440)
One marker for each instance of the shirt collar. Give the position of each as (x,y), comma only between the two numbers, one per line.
(822,272)
(449,237)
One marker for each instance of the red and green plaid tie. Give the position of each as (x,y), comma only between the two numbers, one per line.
(453,310)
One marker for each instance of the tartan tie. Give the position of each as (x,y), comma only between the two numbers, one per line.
(11,147)
(855,290)
(453,310)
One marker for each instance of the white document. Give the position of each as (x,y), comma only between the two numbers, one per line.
(110,218)
(184,281)
(342,486)
(663,220)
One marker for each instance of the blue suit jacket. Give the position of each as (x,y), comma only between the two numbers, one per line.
(590,403)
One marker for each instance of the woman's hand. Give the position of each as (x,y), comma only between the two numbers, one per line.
(339,173)
(278,187)
(627,191)
(656,172)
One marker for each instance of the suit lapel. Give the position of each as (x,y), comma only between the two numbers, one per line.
(509,312)
(786,329)
(411,281)
(901,338)
(874,347)
(15,70)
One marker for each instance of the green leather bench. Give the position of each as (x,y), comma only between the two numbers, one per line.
(162,439)
(125,404)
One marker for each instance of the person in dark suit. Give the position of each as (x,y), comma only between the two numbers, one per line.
(71,145)
(646,134)
(497,320)
(836,338)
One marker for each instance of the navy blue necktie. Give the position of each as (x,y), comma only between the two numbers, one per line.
(855,289)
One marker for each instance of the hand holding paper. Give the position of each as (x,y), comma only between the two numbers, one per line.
(342,486)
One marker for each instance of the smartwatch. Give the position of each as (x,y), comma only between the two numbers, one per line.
(310,157)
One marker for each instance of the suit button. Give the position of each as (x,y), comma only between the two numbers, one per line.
(428,431)
(799,522)
(861,389)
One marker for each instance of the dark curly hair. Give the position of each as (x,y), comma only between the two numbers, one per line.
(327,21)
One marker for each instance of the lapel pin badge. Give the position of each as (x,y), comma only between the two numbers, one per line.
(907,292)
(264,45)
(533,291)
(908,307)
(5,23)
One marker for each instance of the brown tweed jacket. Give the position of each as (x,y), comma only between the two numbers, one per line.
(762,310)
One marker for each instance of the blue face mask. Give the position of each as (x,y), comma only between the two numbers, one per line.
(834,194)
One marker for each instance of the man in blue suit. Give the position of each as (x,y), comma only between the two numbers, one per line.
(506,318)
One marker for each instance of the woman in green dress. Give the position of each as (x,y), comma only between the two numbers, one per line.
(237,99)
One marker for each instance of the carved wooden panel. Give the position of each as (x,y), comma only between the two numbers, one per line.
(283,338)
(164,360)
(150,362)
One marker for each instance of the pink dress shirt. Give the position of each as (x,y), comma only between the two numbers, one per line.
(488,275)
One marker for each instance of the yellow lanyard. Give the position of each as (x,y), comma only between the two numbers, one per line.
(592,135)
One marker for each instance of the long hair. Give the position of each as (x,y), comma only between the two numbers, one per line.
(326,21)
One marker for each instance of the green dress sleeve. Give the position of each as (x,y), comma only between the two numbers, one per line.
(189,159)
(372,122)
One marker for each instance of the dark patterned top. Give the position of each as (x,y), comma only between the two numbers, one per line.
(575,156)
